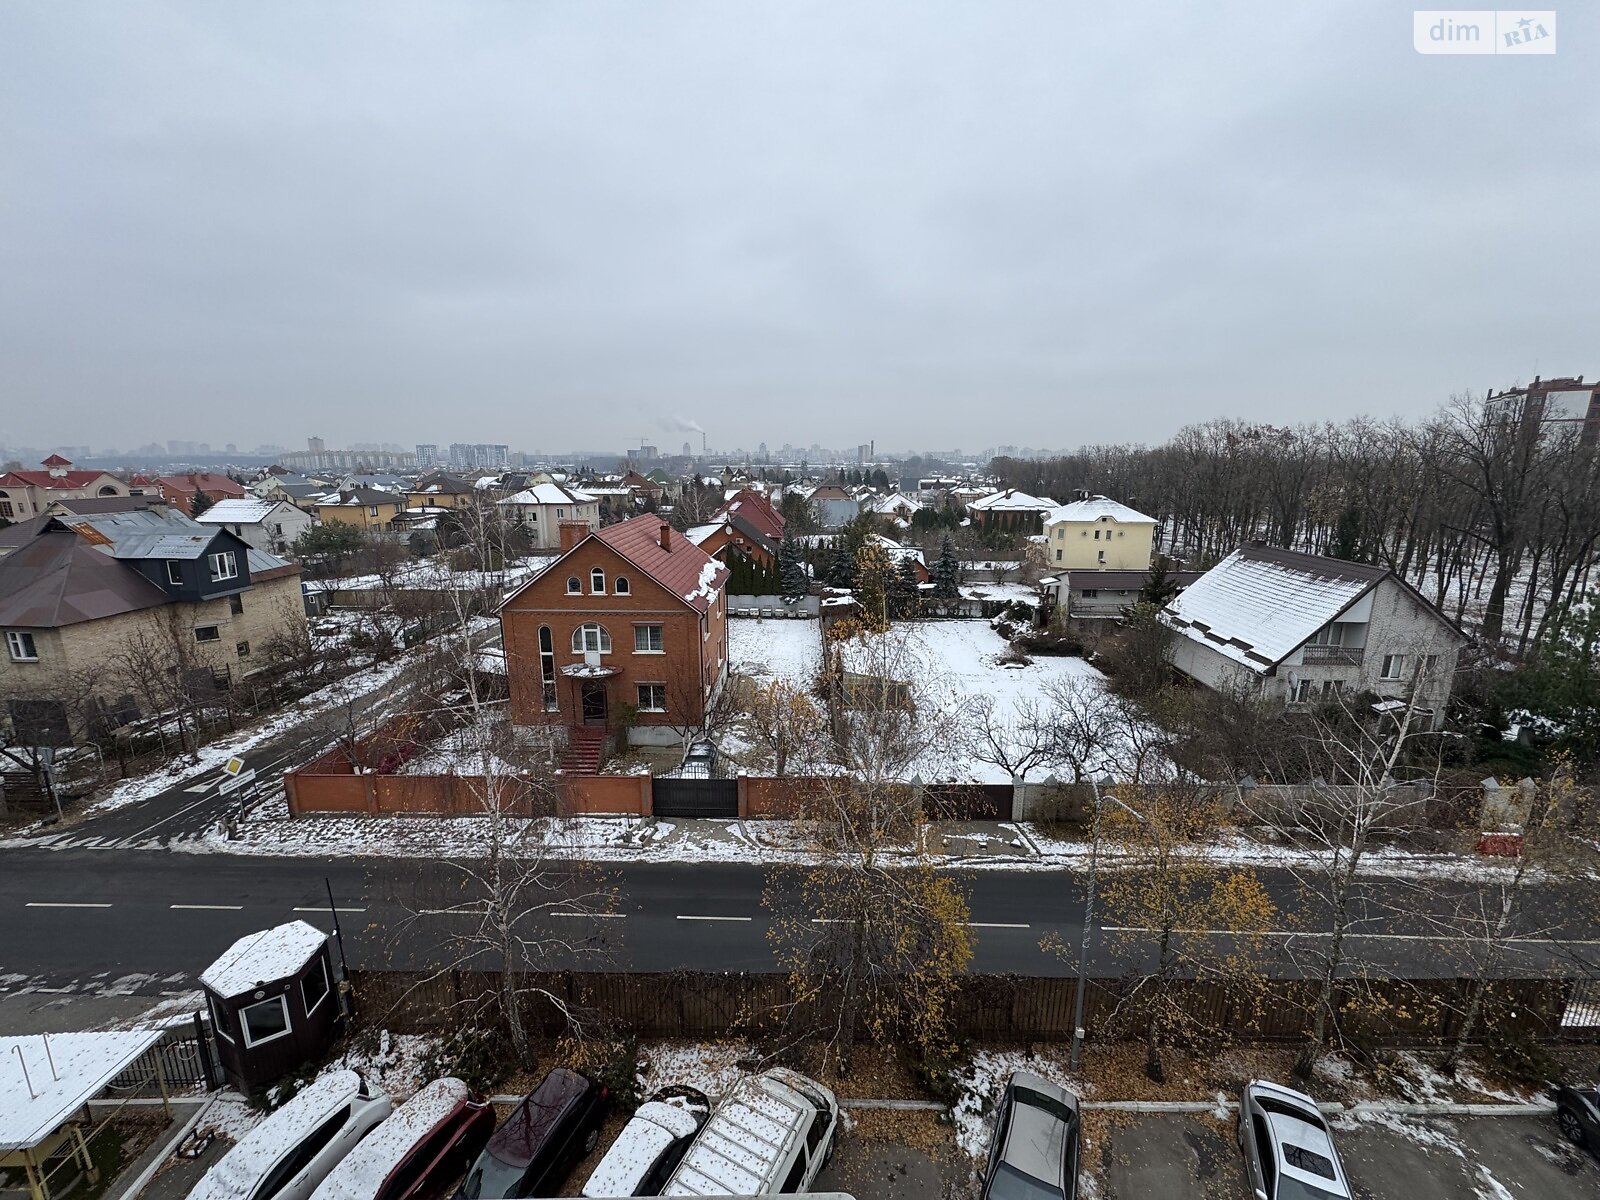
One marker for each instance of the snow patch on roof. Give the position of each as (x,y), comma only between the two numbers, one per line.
(262,957)
(84,1062)
(1096,507)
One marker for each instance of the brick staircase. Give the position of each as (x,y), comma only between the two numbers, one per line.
(585,746)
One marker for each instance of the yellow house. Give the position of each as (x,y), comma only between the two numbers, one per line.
(367,508)
(1097,534)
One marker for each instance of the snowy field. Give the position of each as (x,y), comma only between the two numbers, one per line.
(955,664)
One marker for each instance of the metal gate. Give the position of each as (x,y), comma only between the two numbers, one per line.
(967,802)
(672,796)
(183,1058)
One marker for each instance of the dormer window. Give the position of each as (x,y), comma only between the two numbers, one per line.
(174,573)
(574,587)
(597,582)
(223,566)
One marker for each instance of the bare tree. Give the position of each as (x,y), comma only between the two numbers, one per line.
(787,724)
(1332,824)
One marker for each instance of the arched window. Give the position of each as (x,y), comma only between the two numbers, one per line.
(108,490)
(597,582)
(574,588)
(591,637)
(623,588)
(547,667)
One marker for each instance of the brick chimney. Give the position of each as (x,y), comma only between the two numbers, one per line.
(666,537)
(572,532)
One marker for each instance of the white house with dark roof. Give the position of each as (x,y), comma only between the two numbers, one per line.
(1302,628)
(269,524)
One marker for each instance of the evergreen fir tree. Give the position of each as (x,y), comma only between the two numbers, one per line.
(792,574)
(199,502)
(1159,587)
(947,573)
(842,571)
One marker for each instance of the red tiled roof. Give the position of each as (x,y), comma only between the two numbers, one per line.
(55,460)
(43,479)
(204,480)
(683,570)
(754,508)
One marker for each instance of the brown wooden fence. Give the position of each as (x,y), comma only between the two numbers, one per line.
(997,1007)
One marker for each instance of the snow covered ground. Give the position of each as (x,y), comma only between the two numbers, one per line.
(434,574)
(953,663)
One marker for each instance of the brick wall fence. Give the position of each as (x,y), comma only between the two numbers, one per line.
(999,1007)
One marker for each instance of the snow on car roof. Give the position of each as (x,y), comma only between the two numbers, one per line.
(654,1127)
(361,1173)
(262,957)
(238,1171)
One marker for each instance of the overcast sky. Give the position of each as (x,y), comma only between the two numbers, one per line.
(581,224)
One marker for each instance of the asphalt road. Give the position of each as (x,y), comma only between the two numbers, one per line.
(154,919)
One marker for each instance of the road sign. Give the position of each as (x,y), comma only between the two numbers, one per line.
(234,782)
(235,765)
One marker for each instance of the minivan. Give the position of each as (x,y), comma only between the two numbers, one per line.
(291,1152)
(554,1126)
(419,1152)
(771,1134)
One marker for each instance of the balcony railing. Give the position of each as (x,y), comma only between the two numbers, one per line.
(1333,656)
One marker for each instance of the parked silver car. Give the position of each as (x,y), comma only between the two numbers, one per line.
(1034,1154)
(1288,1150)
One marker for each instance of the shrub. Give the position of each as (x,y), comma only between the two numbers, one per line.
(478,1054)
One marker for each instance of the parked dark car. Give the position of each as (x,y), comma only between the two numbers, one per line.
(1578,1114)
(1034,1154)
(651,1144)
(419,1151)
(1288,1149)
(553,1127)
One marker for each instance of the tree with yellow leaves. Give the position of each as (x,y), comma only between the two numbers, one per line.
(873,573)
(1164,890)
(787,724)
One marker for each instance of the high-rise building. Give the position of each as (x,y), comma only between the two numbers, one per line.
(315,445)
(688,450)
(465,455)
(427,455)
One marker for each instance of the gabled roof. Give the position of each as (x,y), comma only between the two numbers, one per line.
(1260,604)
(145,533)
(360,497)
(105,504)
(236,510)
(205,481)
(44,479)
(1096,507)
(1011,500)
(548,493)
(755,508)
(685,570)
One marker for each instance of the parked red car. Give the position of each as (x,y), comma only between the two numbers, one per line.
(419,1152)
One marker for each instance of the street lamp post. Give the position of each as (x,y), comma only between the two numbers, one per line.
(1088,907)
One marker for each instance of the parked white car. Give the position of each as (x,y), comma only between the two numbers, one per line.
(1288,1149)
(771,1135)
(291,1152)
(650,1145)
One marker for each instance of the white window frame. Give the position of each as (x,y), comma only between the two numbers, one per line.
(639,695)
(218,1025)
(574,586)
(244,1024)
(641,635)
(597,581)
(15,640)
(1398,668)
(327,986)
(622,586)
(223,565)
(580,639)
(174,573)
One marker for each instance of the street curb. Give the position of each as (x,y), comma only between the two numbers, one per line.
(146,1175)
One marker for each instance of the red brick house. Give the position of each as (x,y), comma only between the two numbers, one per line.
(629,620)
(754,507)
(179,490)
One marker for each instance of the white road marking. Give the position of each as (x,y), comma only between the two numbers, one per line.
(592,916)
(321,908)
(1318,933)
(830,920)
(999,925)
(199,788)
(208,907)
(682,917)
(61,904)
